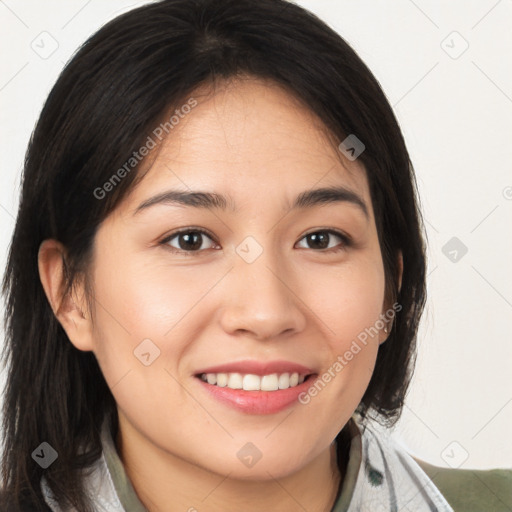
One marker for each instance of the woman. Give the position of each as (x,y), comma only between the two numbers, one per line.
(216,275)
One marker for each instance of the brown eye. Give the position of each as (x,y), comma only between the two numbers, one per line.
(326,239)
(188,241)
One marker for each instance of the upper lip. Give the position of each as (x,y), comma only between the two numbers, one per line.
(258,368)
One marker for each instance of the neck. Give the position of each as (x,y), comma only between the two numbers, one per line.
(164,482)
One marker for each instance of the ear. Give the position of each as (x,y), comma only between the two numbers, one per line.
(70,310)
(389,323)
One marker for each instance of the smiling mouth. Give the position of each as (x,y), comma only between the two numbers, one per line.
(252,382)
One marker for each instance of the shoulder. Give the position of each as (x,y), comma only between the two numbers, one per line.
(388,477)
(472,490)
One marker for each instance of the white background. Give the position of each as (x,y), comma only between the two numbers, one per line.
(456,113)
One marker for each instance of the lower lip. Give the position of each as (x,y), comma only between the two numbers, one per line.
(258,402)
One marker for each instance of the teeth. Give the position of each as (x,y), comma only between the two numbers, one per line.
(235,381)
(284,381)
(250,382)
(270,382)
(222,379)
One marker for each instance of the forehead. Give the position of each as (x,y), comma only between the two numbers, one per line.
(253,140)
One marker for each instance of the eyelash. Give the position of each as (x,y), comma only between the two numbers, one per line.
(346,241)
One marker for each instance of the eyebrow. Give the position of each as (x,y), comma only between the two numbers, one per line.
(214,201)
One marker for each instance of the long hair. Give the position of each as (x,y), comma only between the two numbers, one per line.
(106,101)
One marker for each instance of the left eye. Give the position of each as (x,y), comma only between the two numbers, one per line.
(321,240)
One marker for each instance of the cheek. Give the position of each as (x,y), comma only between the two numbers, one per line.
(147,300)
(137,301)
(139,338)
(348,311)
(347,299)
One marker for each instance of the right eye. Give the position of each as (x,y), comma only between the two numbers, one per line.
(187,240)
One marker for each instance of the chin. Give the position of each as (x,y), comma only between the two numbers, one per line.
(251,464)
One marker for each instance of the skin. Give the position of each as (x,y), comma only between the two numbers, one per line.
(253,141)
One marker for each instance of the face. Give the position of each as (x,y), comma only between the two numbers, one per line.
(259,284)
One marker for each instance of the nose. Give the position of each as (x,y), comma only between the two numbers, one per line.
(262,300)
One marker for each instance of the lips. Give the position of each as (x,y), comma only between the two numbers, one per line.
(250,386)
(258,368)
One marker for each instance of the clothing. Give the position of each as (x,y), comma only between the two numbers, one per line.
(380,477)
(473,490)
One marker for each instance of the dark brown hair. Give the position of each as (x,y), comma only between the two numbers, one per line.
(106,101)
